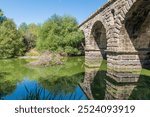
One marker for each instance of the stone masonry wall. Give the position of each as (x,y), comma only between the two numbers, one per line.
(122,50)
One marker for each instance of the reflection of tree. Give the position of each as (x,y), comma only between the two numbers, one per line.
(19,69)
(38,93)
(14,67)
(42,94)
(72,65)
(142,90)
(99,85)
(13,71)
(7,86)
(48,91)
(59,85)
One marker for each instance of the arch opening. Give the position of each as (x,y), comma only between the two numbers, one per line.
(135,32)
(98,36)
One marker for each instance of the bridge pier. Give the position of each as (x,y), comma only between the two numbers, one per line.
(96,44)
(120,30)
(93,58)
(123,67)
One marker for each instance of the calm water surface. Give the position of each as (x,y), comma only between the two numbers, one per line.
(63,82)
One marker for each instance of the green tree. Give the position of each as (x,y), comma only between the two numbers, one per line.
(29,34)
(23,28)
(10,40)
(60,33)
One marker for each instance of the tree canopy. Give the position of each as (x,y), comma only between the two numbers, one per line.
(61,34)
(29,34)
(58,34)
(10,40)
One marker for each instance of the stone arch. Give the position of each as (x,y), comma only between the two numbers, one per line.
(95,47)
(98,38)
(135,32)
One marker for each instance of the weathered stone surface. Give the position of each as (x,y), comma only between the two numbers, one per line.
(120,31)
(89,76)
(117,91)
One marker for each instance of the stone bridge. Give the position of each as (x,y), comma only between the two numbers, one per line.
(120,32)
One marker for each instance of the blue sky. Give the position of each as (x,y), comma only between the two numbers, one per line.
(38,11)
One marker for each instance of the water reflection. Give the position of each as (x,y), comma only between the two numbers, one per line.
(63,85)
(21,82)
(6,84)
(62,82)
(32,90)
(118,91)
(99,85)
(120,85)
(94,81)
(89,76)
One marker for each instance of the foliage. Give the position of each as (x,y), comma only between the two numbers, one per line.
(61,34)
(29,34)
(10,40)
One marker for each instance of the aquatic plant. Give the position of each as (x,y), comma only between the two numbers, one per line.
(40,93)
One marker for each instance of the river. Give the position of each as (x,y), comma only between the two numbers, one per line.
(71,81)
